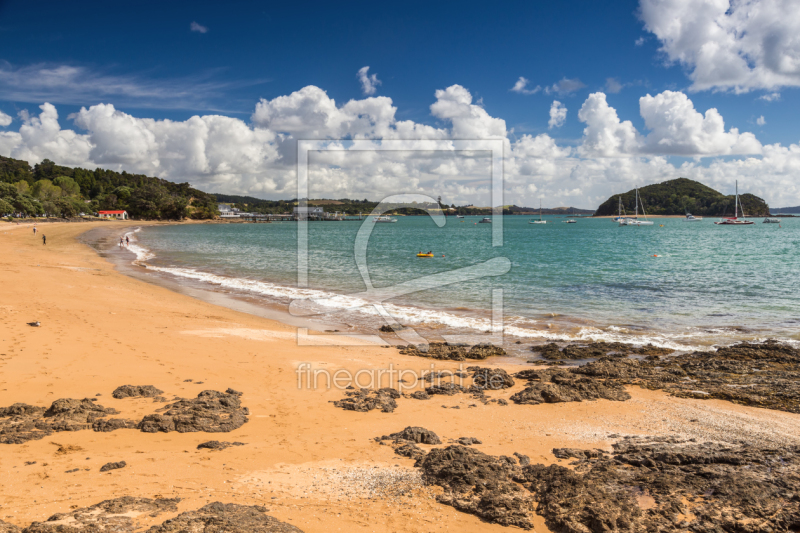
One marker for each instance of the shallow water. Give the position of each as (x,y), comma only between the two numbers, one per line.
(682,285)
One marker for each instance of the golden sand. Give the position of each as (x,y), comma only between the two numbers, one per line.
(311,464)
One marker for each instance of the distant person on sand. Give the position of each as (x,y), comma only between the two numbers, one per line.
(34,229)
(44,239)
(127,241)
(120,242)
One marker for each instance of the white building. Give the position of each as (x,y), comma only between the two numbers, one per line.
(305,213)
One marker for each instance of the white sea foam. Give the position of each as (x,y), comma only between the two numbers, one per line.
(329,302)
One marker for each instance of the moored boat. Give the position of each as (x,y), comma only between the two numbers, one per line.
(735,220)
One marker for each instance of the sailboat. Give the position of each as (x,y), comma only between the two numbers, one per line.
(735,221)
(635,220)
(540,221)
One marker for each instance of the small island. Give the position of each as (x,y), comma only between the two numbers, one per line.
(681,196)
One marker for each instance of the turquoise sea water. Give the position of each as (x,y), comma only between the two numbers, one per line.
(591,280)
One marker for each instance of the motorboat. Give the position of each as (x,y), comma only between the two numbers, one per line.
(735,220)
(691,218)
(459,216)
(486,220)
(772,220)
(384,218)
(571,221)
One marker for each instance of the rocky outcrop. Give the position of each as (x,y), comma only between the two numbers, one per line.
(558,385)
(452,352)
(225,517)
(670,485)
(763,375)
(480,484)
(414,434)
(211,412)
(118,516)
(364,400)
(21,423)
(594,350)
(136,391)
(113,424)
(490,378)
(109,516)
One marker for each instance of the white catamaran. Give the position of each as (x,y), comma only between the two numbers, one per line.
(628,221)
(735,220)
(540,221)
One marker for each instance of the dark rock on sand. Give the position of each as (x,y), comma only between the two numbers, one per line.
(524,460)
(443,376)
(667,485)
(364,400)
(391,328)
(111,516)
(452,352)
(410,450)
(22,422)
(415,434)
(420,395)
(468,441)
(480,484)
(225,517)
(211,412)
(594,350)
(217,445)
(558,385)
(763,375)
(448,389)
(5,527)
(113,466)
(136,391)
(112,424)
(490,378)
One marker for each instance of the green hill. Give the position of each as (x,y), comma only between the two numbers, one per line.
(678,196)
(65,191)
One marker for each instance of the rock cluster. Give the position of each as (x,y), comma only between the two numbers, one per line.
(452,352)
(414,434)
(763,375)
(227,518)
(107,516)
(364,400)
(21,422)
(211,412)
(557,385)
(136,391)
(117,516)
(594,350)
(490,378)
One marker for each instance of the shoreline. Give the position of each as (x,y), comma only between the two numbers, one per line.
(101,329)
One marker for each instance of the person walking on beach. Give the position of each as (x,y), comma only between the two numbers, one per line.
(34,229)
(127,241)
(120,242)
(44,239)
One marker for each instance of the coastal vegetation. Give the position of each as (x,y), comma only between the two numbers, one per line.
(54,190)
(682,195)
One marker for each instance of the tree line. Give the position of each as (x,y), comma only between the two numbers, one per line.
(55,190)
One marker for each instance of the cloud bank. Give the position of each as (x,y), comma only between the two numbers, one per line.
(738,45)
(223,154)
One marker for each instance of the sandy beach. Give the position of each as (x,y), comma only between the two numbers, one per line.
(309,463)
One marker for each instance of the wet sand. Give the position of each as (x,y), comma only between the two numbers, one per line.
(311,464)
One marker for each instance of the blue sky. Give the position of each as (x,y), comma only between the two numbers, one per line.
(175,60)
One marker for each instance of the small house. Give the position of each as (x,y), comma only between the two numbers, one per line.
(119,215)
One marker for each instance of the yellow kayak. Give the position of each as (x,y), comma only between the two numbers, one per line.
(424,255)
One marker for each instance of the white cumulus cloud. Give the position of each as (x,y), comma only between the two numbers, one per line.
(737,45)
(217,153)
(521,87)
(761,120)
(369,83)
(5,120)
(558,115)
(194,26)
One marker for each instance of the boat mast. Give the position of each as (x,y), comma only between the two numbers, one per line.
(540,209)
(736,202)
(636,204)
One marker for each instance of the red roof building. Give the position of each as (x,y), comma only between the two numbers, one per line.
(119,215)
